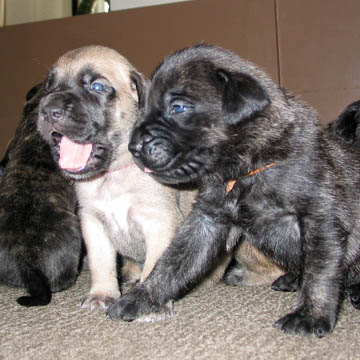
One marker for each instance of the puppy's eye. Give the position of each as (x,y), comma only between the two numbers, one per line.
(180,108)
(97,87)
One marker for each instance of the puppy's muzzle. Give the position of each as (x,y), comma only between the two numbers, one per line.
(53,106)
(52,113)
(152,152)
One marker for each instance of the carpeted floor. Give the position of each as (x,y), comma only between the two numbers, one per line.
(219,323)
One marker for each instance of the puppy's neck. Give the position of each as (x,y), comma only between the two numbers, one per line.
(231,183)
(123,167)
(121,160)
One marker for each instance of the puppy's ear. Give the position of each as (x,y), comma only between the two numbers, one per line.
(344,127)
(140,85)
(33,91)
(32,99)
(243,96)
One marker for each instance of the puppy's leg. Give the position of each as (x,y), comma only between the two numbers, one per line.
(130,271)
(102,263)
(288,283)
(323,276)
(156,244)
(251,267)
(192,252)
(218,269)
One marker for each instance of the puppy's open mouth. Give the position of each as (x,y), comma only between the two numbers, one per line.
(73,156)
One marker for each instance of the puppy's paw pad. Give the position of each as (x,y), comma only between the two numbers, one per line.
(303,325)
(287,283)
(95,302)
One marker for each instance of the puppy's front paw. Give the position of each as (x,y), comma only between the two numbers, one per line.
(235,276)
(134,305)
(96,301)
(353,292)
(288,283)
(164,312)
(301,323)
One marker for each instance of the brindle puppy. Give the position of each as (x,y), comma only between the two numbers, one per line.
(5,159)
(40,235)
(268,174)
(346,126)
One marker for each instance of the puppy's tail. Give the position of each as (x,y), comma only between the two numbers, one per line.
(37,285)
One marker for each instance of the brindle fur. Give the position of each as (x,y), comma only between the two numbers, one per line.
(40,235)
(346,126)
(212,117)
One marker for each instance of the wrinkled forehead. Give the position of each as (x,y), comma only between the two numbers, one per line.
(107,64)
(185,78)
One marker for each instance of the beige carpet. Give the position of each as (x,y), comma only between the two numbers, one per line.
(220,323)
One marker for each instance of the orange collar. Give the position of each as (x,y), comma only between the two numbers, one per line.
(231,183)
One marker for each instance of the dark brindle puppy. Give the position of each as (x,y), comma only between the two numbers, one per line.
(346,126)
(268,174)
(4,161)
(40,236)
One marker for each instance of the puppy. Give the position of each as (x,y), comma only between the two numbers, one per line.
(40,235)
(5,159)
(268,174)
(92,98)
(346,126)
(346,129)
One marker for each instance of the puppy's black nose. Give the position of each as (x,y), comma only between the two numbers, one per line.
(53,113)
(139,144)
(135,148)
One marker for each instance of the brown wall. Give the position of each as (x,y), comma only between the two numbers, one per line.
(319,46)
(309,49)
(143,35)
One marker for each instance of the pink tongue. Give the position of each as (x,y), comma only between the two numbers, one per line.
(73,156)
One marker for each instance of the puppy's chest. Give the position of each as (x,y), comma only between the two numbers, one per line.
(122,228)
(113,207)
(251,207)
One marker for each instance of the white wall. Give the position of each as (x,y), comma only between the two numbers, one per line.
(128,4)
